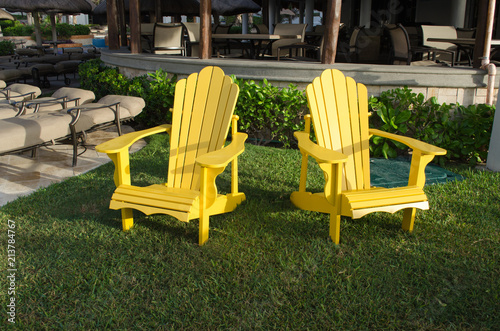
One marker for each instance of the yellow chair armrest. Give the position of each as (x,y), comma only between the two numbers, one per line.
(320,154)
(222,157)
(415,144)
(117,144)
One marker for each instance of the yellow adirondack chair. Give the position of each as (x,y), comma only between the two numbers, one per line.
(339,110)
(201,116)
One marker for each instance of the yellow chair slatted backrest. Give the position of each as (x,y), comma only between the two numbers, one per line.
(347,132)
(202,112)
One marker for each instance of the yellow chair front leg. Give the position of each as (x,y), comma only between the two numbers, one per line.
(122,176)
(419,161)
(208,194)
(333,178)
(127,219)
(409,219)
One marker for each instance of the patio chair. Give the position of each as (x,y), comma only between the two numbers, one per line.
(400,44)
(339,111)
(147,31)
(349,53)
(440,51)
(201,116)
(401,51)
(168,39)
(222,47)
(311,50)
(285,29)
(193,38)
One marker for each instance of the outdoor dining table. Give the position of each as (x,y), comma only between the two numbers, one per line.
(254,40)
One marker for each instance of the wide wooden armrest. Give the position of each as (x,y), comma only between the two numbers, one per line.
(320,154)
(222,157)
(117,144)
(415,144)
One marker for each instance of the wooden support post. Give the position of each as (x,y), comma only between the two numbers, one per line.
(158,12)
(206,29)
(480,33)
(135,27)
(331,34)
(122,25)
(112,15)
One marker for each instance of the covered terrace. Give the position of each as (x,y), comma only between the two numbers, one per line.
(465,85)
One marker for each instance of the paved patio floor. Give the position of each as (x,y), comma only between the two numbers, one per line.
(20,174)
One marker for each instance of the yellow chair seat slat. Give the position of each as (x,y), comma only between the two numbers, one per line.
(167,200)
(160,190)
(383,193)
(149,210)
(377,201)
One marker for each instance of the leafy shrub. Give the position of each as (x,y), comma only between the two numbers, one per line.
(463,131)
(64,30)
(18,29)
(7,47)
(268,113)
(156,89)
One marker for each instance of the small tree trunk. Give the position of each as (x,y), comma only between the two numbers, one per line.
(38,33)
(53,24)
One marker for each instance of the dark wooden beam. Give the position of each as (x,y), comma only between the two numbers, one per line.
(205,29)
(331,34)
(482,13)
(122,24)
(135,26)
(112,16)
(158,12)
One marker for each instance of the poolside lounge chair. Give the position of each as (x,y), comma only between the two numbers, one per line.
(339,110)
(64,97)
(43,128)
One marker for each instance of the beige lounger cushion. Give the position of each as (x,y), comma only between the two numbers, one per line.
(85,96)
(32,129)
(16,90)
(7,110)
(98,113)
(3,84)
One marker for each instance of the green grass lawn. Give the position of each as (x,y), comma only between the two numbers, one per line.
(266,265)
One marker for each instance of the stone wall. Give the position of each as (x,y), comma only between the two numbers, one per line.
(451,85)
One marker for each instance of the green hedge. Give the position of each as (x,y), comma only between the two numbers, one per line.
(64,30)
(271,115)
(464,131)
(268,114)
(7,47)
